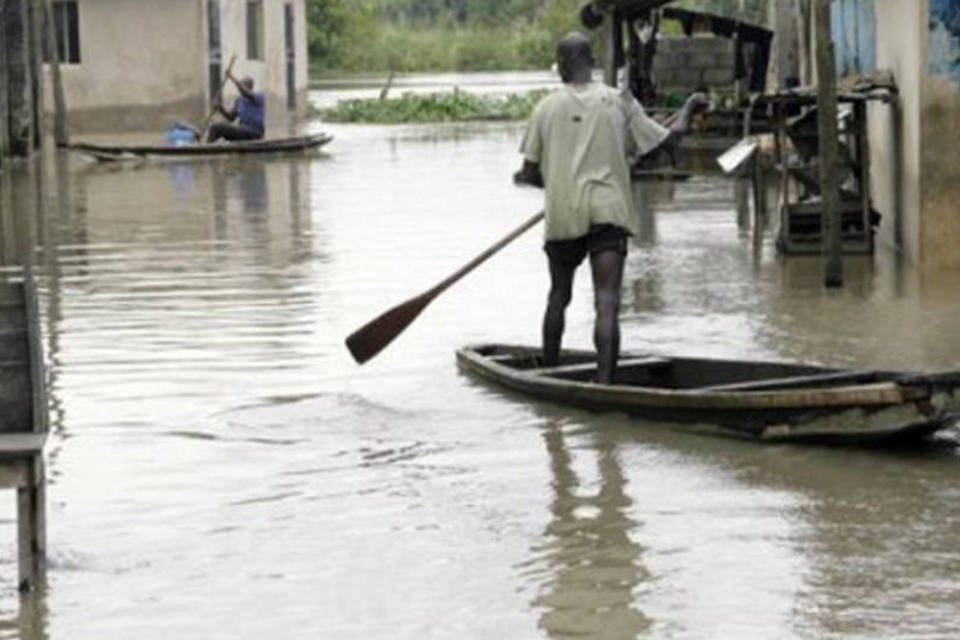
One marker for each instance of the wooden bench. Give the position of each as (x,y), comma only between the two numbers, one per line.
(23,420)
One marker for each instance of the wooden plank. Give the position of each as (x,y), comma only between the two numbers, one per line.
(11,293)
(12,319)
(588,367)
(21,444)
(797,381)
(16,416)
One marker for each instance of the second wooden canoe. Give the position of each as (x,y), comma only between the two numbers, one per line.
(138,152)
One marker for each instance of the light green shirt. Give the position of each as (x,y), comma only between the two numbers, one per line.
(583,138)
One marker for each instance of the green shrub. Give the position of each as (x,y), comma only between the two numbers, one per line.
(456,106)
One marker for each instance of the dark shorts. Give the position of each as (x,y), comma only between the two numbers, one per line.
(232,132)
(602,237)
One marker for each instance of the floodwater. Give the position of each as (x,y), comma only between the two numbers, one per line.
(220,468)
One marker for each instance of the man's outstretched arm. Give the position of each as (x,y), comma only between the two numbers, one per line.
(529,174)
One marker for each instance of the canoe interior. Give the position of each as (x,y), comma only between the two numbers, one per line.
(654,372)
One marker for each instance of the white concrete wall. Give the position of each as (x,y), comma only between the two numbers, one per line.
(144,63)
(895,132)
(915,145)
(939,114)
(140,62)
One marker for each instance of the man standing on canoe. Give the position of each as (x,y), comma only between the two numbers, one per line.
(579,145)
(247,110)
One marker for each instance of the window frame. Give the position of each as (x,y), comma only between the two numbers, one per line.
(254,24)
(66,29)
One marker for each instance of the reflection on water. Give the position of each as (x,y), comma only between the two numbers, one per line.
(221,469)
(593,564)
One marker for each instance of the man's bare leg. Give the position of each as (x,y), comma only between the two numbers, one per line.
(607,270)
(561,290)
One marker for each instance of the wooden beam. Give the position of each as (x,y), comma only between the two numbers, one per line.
(827,110)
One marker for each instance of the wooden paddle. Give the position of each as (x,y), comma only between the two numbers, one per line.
(216,100)
(373,337)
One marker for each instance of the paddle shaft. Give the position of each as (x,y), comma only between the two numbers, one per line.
(216,99)
(373,337)
(483,257)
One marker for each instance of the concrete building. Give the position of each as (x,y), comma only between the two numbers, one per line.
(134,65)
(915,164)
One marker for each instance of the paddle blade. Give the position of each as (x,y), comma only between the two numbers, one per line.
(373,337)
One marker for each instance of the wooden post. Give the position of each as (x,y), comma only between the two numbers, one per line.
(60,135)
(36,23)
(31,524)
(16,35)
(827,106)
(4,90)
(610,40)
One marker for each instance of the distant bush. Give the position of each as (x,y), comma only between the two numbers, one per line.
(456,106)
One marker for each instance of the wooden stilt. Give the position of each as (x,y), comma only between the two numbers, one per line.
(4,90)
(16,35)
(35,48)
(827,106)
(31,524)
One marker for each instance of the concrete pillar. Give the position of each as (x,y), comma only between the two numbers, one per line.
(16,38)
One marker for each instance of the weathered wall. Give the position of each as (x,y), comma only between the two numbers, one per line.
(895,132)
(683,64)
(914,145)
(785,48)
(142,63)
(940,118)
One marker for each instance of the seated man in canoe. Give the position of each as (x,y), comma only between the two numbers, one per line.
(579,146)
(248,111)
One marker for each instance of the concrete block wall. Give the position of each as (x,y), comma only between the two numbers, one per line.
(683,64)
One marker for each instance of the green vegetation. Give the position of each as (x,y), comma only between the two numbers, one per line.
(350,36)
(440,107)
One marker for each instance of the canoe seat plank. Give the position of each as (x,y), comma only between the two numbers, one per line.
(21,444)
(834,377)
(587,367)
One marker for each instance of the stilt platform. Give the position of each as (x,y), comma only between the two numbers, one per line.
(23,420)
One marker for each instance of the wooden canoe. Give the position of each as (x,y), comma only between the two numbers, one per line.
(113,153)
(767,401)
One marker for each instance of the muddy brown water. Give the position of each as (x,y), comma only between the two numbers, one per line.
(219,467)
